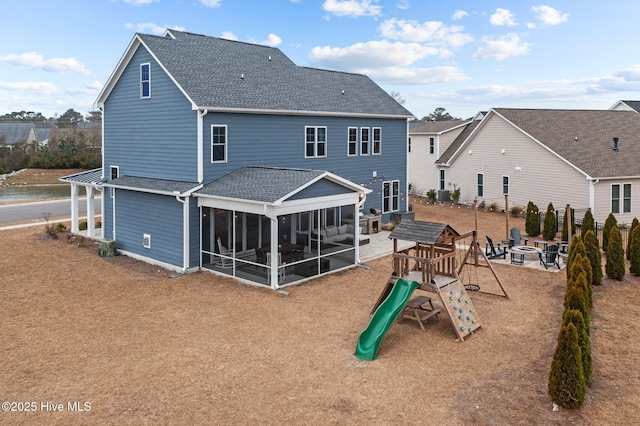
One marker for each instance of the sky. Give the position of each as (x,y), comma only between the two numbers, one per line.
(462,55)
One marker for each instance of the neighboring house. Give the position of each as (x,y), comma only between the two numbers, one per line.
(30,132)
(626,106)
(427,142)
(585,158)
(217,153)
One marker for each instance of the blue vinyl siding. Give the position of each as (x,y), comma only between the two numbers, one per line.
(160,216)
(321,188)
(278,141)
(154,137)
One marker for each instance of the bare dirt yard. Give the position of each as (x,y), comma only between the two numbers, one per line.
(141,347)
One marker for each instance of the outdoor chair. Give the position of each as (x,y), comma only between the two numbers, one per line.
(494,251)
(281,271)
(223,262)
(515,238)
(550,256)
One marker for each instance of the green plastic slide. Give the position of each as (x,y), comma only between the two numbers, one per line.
(383,318)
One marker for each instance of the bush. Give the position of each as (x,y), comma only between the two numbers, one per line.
(455,195)
(532,222)
(614,267)
(634,251)
(82,226)
(432,195)
(549,229)
(576,298)
(588,224)
(592,247)
(581,265)
(493,207)
(481,205)
(610,223)
(576,247)
(517,211)
(567,386)
(584,341)
(634,223)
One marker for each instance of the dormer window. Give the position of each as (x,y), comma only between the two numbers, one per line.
(145,81)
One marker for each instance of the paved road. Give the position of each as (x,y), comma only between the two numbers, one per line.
(35,211)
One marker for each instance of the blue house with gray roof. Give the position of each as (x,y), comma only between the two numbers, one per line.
(219,154)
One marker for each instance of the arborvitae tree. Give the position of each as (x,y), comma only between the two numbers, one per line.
(610,223)
(581,265)
(565,225)
(634,251)
(575,317)
(532,222)
(575,298)
(567,386)
(588,223)
(577,246)
(614,267)
(634,223)
(549,229)
(592,246)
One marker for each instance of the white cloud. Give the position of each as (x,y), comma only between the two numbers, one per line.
(150,27)
(352,8)
(139,2)
(416,76)
(39,88)
(459,14)
(502,17)
(431,31)
(211,3)
(501,48)
(403,4)
(229,35)
(549,16)
(272,41)
(34,60)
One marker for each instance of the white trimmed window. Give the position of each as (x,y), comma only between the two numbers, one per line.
(390,196)
(145,81)
(315,142)
(480,185)
(364,141)
(442,180)
(377,141)
(114,174)
(218,143)
(409,143)
(621,198)
(352,141)
(432,145)
(505,185)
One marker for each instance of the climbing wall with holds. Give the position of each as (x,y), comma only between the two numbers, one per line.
(457,302)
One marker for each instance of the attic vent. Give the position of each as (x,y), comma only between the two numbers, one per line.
(269,57)
(242,76)
(615,145)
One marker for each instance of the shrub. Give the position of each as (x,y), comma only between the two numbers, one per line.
(614,267)
(576,247)
(532,221)
(567,386)
(584,341)
(516,211)
(576,298)
(455,195)
(588,224)
(549,228)
(82,226)
(432,195)
(581,265)
(493,207)
(610,223)
(634,223)
(481,205)
(634,251)
(592,247)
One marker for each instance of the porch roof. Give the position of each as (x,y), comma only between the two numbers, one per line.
(155,186)
(89,177)
(270,185)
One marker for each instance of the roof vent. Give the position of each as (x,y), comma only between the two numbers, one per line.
(615,145)
(269,57)
(242,76)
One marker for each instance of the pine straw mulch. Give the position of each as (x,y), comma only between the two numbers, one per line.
(142,347)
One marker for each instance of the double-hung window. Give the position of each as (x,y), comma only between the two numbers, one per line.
(377,140)
(145,80)
(352,142)
(505,185)
(480,185)
(390,196)
(442,180)
(432,145)
(621,198)
(218,143)
(364,141)
(315,142)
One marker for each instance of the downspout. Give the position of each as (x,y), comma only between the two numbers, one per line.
(592,195)
(200,150)
(406,162)
(185,230)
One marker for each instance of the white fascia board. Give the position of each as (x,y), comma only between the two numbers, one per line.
(247,206)
(308,204)
(153,191)
(332,177)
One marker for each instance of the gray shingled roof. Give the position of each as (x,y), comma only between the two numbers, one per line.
(592,151)
(89,177)
(457,143)
(158,186)
(262,184)
(225,74)
(633,104)
(436,126)
(420,231)
(15,132)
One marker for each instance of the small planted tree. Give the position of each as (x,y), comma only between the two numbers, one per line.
(577,247)
(432,195)
(584,341)
(567,386)
(634,223)
(614,267)
(610,223)
(576,298)
(592,246)
(532,221)
(549,229)
(581,265)
(588,224)
(634,251)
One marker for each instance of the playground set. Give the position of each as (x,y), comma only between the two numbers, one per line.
(440,262)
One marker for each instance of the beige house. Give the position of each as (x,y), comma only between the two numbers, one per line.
(586,158)
(427,142)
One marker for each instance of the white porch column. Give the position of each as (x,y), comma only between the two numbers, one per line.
(91,212)
(274,253)
(74,208)
(356,232)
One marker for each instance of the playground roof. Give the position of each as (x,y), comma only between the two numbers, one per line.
(423,232)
